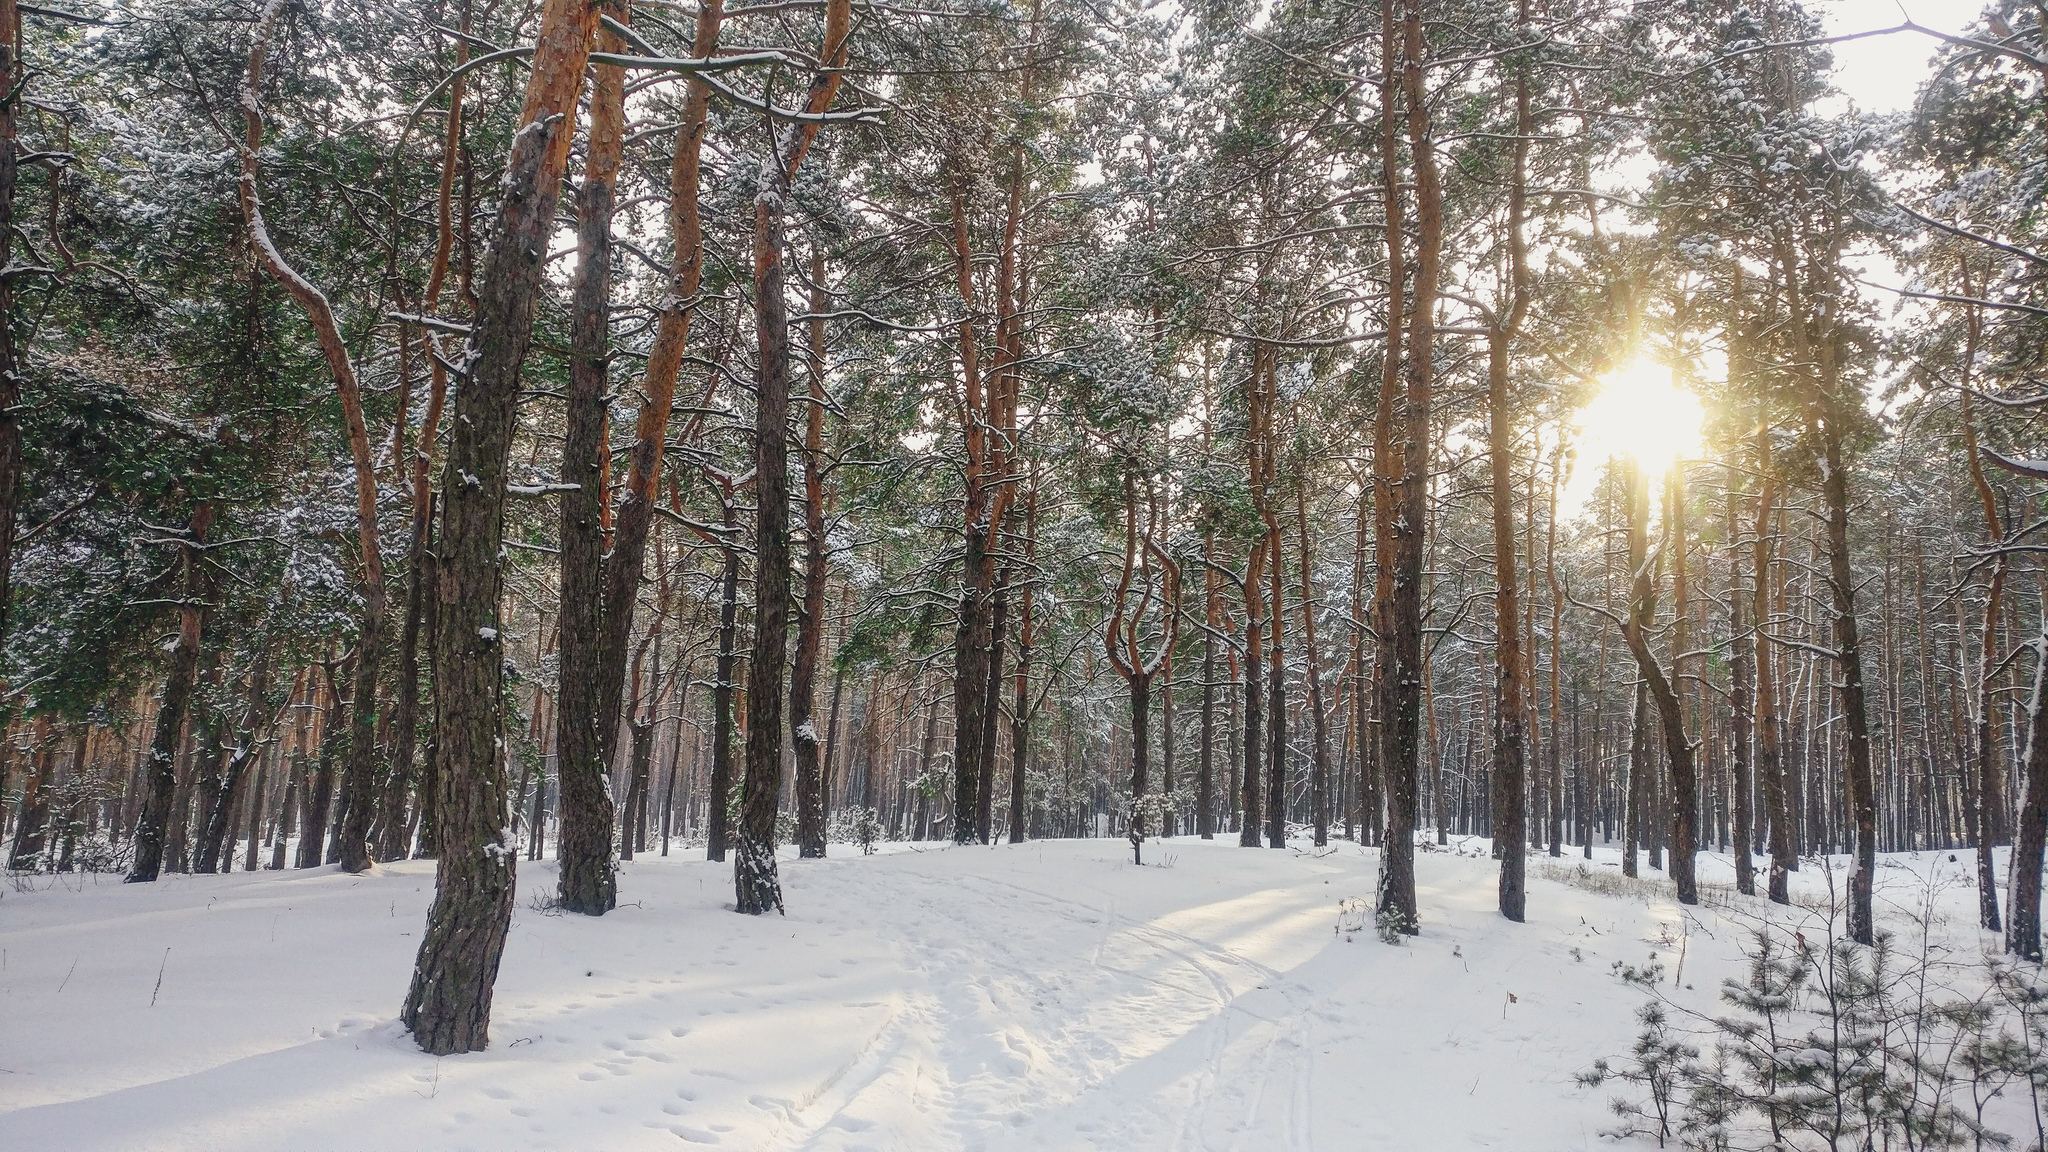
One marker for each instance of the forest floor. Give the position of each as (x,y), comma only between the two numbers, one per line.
(1044,995)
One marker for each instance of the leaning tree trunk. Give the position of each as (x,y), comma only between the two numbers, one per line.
(626,566)
(448,1008)
(161,775)
(587,730)
(1678,752)
(214,837)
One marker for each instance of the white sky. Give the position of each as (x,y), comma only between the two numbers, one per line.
(1879,74)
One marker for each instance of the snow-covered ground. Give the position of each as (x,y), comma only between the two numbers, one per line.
(1046,995)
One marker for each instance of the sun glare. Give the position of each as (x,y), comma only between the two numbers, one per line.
(1643,414)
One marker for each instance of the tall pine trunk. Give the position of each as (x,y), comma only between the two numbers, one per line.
(448,1008)
(586,728)
(180,678)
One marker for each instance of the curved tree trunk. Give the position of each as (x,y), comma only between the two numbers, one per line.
(360,775)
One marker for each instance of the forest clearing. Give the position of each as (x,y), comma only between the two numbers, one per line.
(1043,995)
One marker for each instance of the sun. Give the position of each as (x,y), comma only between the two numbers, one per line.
(1642,414)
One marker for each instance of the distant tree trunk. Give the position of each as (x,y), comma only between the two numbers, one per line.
(1743,710)
(1633,802)
(1990,808)
(1770,762)
(10,358)
(360,774)
(448,1007)
(287,810)
(1254,696)
(1856,769)
(717,824)
(32,823)
(419,557)
(216,842)
(1258,413)
(586,729)
(1678,751)
(255,812)
(316,803)
(1556,677)
(180,678)
(1276,698)
(1020,716)
(803,676)
(1319,720)
(1205,773)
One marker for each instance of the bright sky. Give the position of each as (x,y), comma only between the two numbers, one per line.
(1879,74)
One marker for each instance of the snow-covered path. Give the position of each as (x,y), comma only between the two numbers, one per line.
(1047,995)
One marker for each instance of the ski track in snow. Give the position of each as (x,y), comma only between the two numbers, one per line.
(1048,995)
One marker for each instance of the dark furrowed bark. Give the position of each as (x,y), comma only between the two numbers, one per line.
(448,1007)
(1401,615)
(182,675)
(756,886)
(587,727)
(216,849)
(991,712)
(803,675)
(718,824)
